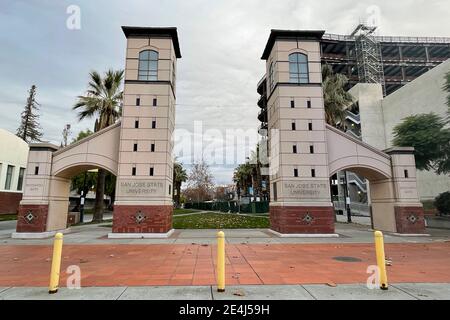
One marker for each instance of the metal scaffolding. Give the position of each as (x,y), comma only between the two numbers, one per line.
(368,56)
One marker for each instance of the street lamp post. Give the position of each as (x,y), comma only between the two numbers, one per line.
(347,199)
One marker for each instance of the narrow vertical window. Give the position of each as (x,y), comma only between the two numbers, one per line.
(9,176)
(155,102)
(136,124)
(292,103)
(313,173)
(296,172)
(133,171)
(152,171)
(293,126)
(36,170)
(154,123)
(170,189)
(310,126)
(20,181)
(152,147)
(406,174)
(311,149)
(308,104)
(135,147)
(138,101)
(294,148)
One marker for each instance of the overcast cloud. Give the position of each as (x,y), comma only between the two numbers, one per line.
(221,43)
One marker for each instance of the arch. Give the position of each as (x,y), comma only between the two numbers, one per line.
(100,150)
(298,68)
(148,65)
(348,153)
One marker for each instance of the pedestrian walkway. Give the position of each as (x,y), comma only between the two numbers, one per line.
(246,264)
(404,291)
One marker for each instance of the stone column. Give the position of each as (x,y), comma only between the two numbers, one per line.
(34,207)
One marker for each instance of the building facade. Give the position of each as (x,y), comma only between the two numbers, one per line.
(379,115)
(13,162)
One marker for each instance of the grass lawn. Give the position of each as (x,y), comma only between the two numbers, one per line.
(8,217)
(183,211)
(219,221)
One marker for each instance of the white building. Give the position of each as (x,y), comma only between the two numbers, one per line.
(13,161)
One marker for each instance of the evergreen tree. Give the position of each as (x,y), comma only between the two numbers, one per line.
(29,129)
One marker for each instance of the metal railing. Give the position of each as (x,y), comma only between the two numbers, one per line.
(356,208)
(391,39)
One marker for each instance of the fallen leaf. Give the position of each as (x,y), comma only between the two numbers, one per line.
(331,284)
(239,293)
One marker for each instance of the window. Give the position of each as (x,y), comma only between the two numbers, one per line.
(292,103)
(275,193)
(311,149)
(298,68)
(310,126)
(293,126)
(136,124)
(154,123)
(133,171)
(36,170)
(135,147)
(294,149)
(406,174)
(313,173)
(152,147)
(20,181)
(148,65)
(138,101)
(155,102)
(271,80)
(9,175)
(296,172)
(170,189)
(152,171)
(308,104)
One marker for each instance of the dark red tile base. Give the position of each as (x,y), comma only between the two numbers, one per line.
(9,202)
(142,219)
(410,219)
(300,219)
(32,218)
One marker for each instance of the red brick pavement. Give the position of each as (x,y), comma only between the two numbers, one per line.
(133,265)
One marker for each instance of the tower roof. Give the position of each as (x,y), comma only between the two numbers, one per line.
(289,35)
(170,32)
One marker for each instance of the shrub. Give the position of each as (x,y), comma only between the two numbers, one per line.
(442,202)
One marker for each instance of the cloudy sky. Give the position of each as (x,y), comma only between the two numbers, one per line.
(221,44)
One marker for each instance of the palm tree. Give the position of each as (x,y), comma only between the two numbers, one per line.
(103,101)
(243,177)
(179,176)
(336,99)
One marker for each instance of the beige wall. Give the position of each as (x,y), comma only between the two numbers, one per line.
(145,189)
(304,189)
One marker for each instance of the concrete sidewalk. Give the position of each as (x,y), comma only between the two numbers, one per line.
(348,233)
(404,291)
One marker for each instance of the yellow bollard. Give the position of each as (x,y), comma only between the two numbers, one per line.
(381,259)
(56,264)
(221,261)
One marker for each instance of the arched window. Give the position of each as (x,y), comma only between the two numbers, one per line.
(298,68)
(271,80)
(148,65)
